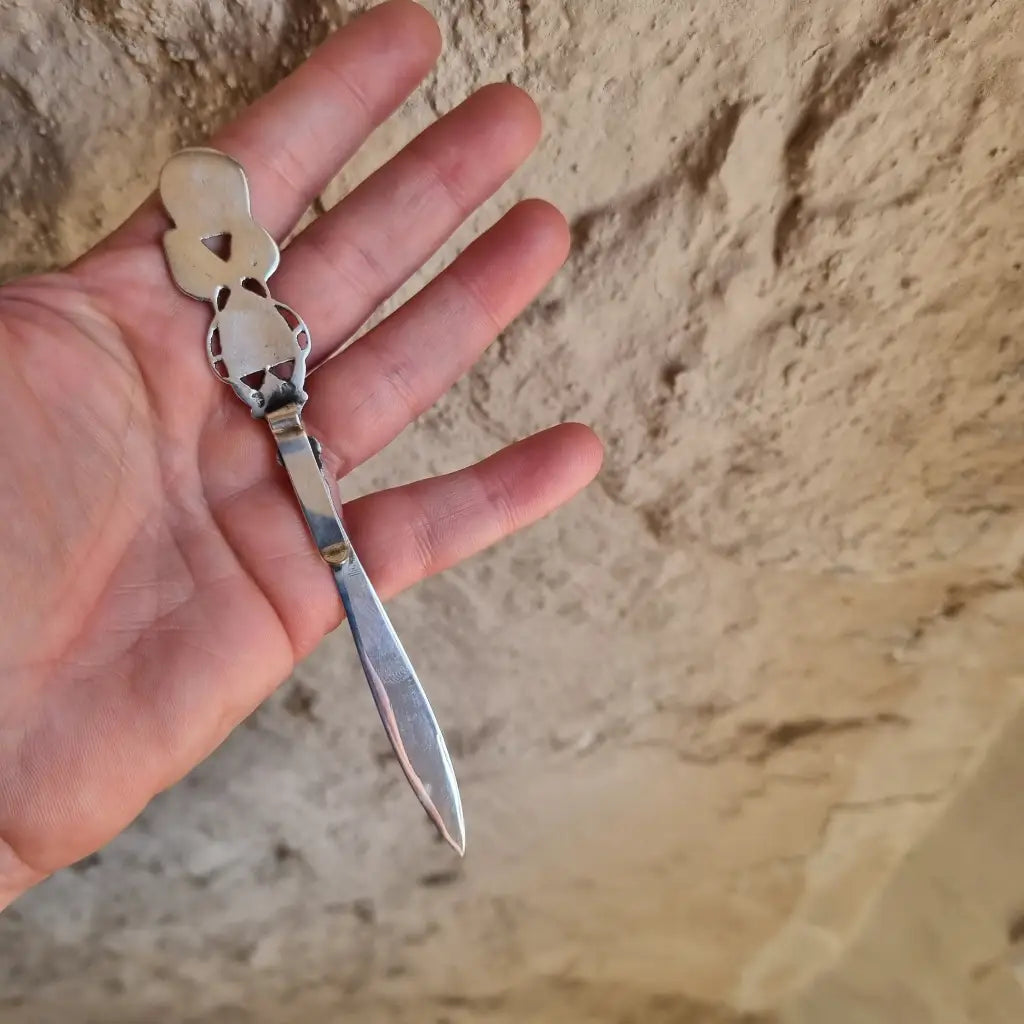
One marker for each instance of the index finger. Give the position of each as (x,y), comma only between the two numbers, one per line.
(294,139)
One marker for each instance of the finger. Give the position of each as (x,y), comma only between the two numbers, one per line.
(295,139)
(403,534)
(346,263)
(408,533)
(370,392)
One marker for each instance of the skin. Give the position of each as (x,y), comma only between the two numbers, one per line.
(146,613)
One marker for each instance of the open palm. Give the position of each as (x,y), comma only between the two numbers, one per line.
(160,581)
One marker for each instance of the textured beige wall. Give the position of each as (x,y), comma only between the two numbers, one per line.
(740,731)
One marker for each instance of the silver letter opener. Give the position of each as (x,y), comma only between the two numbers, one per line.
(217,252)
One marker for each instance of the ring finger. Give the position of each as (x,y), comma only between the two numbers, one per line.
(376,387)
(366,395)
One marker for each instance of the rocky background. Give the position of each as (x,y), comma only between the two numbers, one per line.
(740,732)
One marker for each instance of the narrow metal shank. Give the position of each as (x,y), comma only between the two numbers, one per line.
(310,483)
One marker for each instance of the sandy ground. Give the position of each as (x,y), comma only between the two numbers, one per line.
(739,731)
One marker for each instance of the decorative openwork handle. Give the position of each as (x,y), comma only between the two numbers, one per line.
(217,252)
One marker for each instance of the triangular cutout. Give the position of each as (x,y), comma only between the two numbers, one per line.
(219,245)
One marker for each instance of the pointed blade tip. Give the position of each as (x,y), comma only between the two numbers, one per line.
(458,843)
(451,825)
(455,836)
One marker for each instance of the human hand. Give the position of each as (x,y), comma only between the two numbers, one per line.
(160,579)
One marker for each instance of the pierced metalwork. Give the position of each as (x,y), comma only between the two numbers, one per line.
(217,252)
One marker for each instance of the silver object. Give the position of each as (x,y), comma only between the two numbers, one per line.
(217,252)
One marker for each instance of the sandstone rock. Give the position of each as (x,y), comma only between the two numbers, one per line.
(739,730)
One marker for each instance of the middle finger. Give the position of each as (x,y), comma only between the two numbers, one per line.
(350,260)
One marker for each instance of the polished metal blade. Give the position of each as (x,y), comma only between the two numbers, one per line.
(404,709)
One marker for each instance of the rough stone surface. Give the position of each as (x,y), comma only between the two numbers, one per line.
(740,731)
